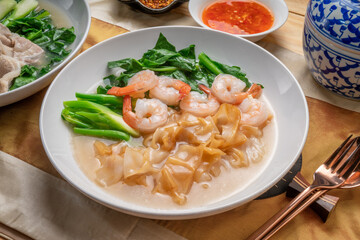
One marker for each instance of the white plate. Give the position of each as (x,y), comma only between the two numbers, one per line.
(78,13)
(281,89)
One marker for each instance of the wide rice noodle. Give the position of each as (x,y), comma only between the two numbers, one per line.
(188,149)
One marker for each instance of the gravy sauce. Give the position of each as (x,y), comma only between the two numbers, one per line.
(229,182)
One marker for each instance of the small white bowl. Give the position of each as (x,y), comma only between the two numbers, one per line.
(278,8)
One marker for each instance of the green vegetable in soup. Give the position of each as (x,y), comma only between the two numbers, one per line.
(104,99)
(111,134)
(22,9)
(164,59)
(38,28)
(129,64)
(218,68)
(162,69)
(6,6)
(110,101)
(28,74)
(84,126)
(95,115)
(102,89)
(205,60)
(76,119)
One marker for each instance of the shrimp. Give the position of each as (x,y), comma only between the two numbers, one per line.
(170,91)
(139,83)
(199,104)
(229,89)
(253,111)
(149,114)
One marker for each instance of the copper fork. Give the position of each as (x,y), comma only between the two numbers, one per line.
(352,181)
(331,174)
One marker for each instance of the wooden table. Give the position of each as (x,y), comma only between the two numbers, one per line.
(328,126)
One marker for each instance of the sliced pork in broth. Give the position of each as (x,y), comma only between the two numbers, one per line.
(15,52)
(26,52)
(9,69)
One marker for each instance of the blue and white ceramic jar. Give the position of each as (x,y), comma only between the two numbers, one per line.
(331,44)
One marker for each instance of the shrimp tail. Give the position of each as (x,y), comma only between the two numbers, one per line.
(208,92)
(241,97)
(128,116)
(255,90)
(128,90)
(205,89)
(183,88)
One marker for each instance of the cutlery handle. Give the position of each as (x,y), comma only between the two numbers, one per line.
(294,213)
(323,206)
(278,217)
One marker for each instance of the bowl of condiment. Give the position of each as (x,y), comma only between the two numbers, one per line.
(331,45)
(250,19)
(37,38)
(154,6)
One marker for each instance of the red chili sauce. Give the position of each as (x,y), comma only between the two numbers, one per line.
(238,17)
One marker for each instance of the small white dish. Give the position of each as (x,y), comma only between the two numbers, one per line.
(278,8)
(78,13)
(281,89)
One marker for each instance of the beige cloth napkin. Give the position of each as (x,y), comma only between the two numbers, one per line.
(122,15)
(45,207)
